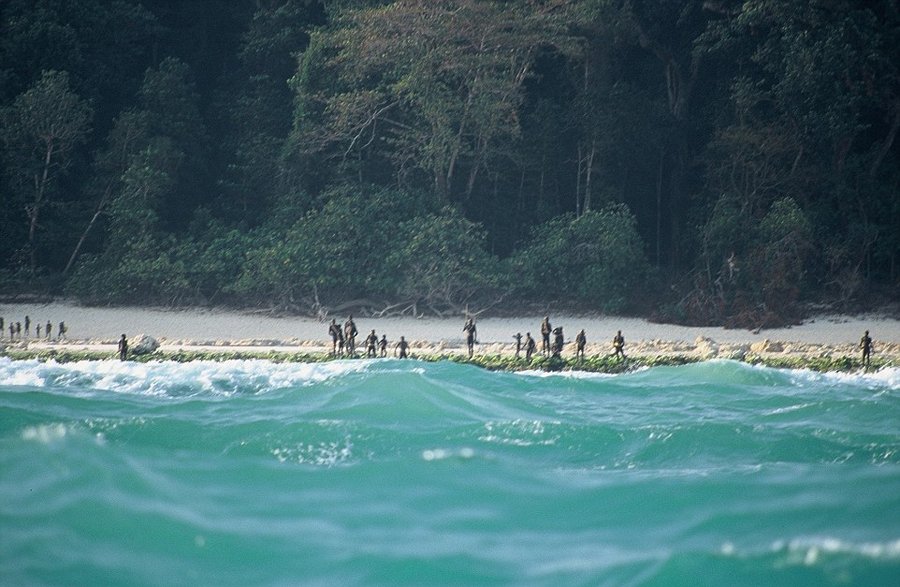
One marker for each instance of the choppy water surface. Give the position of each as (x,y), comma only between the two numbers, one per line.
(398,472)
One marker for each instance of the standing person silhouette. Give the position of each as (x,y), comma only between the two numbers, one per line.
(619,345)
(123,348)
(402,346)
(545,334)
(334,330)
(580,341)
(350,333)
(865,343)
(558,341)
(371,342)
(530,346)
(470,331)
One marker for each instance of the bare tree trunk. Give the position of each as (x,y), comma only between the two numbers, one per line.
(578,184)
(587,178)
(476,166)
(34,210)
(87,229)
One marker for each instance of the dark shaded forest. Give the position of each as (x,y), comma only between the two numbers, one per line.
(728,162)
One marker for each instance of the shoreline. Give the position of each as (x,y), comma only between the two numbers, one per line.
(596,363)
(200,333)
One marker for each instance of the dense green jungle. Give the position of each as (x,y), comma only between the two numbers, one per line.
(703,162)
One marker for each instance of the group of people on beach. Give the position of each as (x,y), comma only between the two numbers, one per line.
(343,340)
(555,348)
(22,330)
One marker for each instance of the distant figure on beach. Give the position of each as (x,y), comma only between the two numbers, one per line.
(558,341)
(619,345)
(27,326)
(865,343)
(545,334)
(19,330)
(371,341)
(334,329)
(518,338)
(61,332)
(49,329)
(12,331)
(37,330)
(580,341)
(382,345)
(470,331)
(530,346)
(402,346)
(350,333)
(123,348)
(1,324)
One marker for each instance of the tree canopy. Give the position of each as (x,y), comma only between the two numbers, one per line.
(704,161)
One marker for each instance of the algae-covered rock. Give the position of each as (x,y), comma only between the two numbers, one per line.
(735,352)
(766,346)
(706,347)
(143,344)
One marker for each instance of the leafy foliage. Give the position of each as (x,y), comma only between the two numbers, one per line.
(299,155)
(597,258)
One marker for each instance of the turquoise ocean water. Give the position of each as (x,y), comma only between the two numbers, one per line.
(405,473)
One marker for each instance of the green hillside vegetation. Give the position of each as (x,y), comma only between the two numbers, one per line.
(707,162)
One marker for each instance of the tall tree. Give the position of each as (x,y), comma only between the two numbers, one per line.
(431,88)
(40,130)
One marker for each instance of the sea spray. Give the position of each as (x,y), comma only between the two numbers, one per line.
(402,472)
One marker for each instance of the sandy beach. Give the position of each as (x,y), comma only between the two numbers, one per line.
(91,327)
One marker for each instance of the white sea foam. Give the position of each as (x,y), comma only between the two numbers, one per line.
(887,377)
(45,433)
(322,454)
(568,374)
(440,454)
(172,378)
(809,550)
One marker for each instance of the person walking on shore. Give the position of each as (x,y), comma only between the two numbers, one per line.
(580,341)
(350,333)
(545,334)
(530,346)
(334,329)
(12,331)
(382,344)
(37,330)
(27,326)
(49,329)
(123,348)
(865,344)
(402,346)
(470,331)
(371,342)
(61,332)
(558,341)
(518,338)
(619,345)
